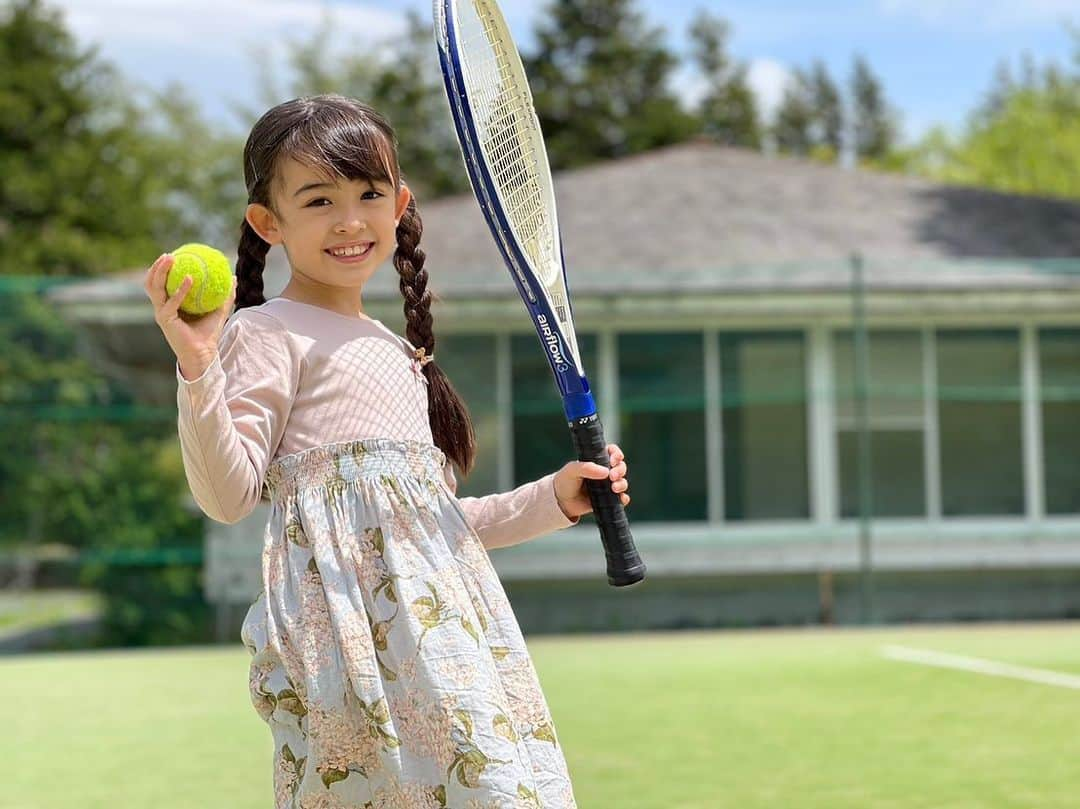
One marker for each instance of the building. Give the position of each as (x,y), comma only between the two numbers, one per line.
(720,315)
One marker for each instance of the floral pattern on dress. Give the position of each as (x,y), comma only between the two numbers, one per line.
(386,658)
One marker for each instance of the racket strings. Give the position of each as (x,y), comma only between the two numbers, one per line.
(507,129)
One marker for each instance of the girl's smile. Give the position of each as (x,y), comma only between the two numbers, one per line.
(351,253)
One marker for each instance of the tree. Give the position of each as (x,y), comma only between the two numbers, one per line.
(400,78)
(728,109)
(795,116)
(88,186)
(828,115)
(199,169)
(1002,87)
(81,187)
(1023,138)
(875,126)
(599,76)
(1030,146)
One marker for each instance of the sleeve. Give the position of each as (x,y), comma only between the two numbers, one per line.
(500,520)
(231,419)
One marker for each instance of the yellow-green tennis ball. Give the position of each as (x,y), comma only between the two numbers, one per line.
(210,274)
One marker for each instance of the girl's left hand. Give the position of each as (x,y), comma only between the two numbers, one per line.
(570,488)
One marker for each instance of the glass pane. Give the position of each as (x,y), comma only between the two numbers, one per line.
(1059,359)
(979,419)
(469,361)
(662,413)
(895,386)
(764,423)
(895,419)
(897,480)
(541,438)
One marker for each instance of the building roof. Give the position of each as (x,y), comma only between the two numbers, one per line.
(704,218)
(700,216)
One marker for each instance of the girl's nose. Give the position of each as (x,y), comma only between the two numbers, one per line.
(351,222)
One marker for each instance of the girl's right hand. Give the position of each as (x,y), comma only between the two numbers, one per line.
(193,338)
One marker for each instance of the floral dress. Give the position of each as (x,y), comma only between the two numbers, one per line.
(386,658)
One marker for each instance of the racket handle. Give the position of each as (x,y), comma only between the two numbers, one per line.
(624,566)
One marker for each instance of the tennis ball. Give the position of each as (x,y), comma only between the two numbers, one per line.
(210,275)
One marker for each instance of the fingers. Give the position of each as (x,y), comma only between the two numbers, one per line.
(172,305)
(618,463)
(165,306)
(154,283)
(617,474)
(593,470)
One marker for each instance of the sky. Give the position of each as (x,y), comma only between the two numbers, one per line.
(936,58)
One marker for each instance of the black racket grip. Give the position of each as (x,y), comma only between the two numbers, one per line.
(624,566)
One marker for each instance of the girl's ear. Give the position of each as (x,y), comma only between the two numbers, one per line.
(263,222)
(403,198)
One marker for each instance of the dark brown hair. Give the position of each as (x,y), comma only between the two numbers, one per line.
(353,141)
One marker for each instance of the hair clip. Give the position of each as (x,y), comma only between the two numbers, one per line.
(421,356)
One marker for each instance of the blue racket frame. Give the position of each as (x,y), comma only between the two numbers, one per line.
(578,402)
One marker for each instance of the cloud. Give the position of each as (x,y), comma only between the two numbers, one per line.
(210,26)
(984,14)
(767,79)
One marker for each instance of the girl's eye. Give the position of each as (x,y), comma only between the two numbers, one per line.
(317,203)
(371,195)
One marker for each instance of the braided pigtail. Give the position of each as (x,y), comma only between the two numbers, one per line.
(451,426)
(250,263)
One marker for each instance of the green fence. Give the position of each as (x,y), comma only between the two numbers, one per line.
(933,389)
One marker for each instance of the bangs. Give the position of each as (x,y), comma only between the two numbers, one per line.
(340,145)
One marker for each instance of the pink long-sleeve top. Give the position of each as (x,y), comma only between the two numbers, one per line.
(289,376)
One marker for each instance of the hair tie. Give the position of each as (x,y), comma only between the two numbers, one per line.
(421,356)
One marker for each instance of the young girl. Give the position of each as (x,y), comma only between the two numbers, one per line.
(385,655)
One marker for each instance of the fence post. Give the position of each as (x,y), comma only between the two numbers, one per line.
(864,460)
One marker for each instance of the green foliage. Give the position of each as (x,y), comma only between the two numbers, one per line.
(1024,139)
(88,484)
(1032,146)
(828,109)
(71,201)
(876,129)
(93,180)
(38,366)
(792,128)
(399,78)
(811,118)
(728,110)
(198,170)
(599,76)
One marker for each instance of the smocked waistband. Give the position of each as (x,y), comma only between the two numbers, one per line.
(351,460)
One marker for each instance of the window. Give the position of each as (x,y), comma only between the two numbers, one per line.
(1059,362)
(979,419)
(895,419)
(541,437)
(469,361)
(763,384)
(662,424)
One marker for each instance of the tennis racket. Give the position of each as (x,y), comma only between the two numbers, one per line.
(503,147)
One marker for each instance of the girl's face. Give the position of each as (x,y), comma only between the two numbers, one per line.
(336,232)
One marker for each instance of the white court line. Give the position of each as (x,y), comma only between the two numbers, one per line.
(980,666)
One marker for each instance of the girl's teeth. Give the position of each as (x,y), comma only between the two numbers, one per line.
(351,251)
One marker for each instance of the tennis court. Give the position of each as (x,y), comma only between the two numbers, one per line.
(814,718)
